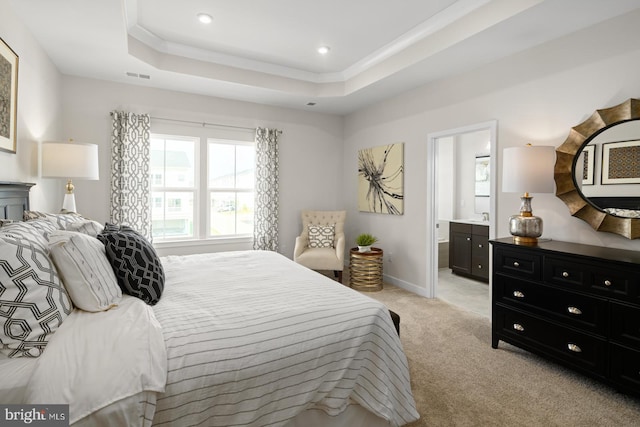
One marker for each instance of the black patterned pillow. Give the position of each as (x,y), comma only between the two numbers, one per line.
(33,302)
(135,263)
(321,236)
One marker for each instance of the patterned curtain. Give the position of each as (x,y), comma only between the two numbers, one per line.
(265,232)
(130,156)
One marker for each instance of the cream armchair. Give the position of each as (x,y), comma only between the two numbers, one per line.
(322,258)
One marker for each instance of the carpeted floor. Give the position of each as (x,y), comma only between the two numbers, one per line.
(459,380)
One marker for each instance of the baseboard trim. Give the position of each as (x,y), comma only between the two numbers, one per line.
(406,285)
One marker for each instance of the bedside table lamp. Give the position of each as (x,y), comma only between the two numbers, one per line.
(527,169)
(71,160)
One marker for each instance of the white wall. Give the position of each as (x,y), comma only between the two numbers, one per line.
(535,96)
(310,145)
(39,111)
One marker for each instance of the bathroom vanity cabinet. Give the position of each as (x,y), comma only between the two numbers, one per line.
(469,249)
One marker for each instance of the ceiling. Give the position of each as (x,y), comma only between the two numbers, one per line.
(266,51)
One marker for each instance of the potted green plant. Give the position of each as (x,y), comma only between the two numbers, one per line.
(364,242)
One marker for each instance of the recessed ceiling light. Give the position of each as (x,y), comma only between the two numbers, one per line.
(323,50)
(205,18)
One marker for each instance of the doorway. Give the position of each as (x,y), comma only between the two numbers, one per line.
(450,194)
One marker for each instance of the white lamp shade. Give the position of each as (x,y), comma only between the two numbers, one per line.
(70,160)
(528,169)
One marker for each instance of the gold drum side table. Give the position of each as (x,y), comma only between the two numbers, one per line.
(365,270)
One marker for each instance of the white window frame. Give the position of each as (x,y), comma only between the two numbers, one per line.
(235,190)
(201,214)
(195,190)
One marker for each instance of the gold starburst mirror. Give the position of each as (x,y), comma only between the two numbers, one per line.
(597,170)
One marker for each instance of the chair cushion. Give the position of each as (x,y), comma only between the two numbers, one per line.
(320,259)
(321,236)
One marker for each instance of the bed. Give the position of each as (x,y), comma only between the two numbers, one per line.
(236,338)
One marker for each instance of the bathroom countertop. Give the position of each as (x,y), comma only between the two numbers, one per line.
(471,221)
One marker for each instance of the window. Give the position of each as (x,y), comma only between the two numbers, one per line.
(201,187)
(231,173)
(173,174)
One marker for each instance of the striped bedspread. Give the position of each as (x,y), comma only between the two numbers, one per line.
(254,339)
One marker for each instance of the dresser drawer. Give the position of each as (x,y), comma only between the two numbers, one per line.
(625,367)
(580,311)
(617,283)
(605,280)
(517,263)
(566,273)
(576,348)
(625,324)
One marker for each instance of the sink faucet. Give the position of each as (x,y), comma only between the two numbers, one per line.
(485,216)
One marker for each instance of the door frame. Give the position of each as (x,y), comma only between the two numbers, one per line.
(432,193)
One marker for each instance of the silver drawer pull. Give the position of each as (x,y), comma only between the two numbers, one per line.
(518,294)
(468,239)
(480,266)
(516,264)
(518,327)
(565,274)
(574,310)
(574,348)
(480,245)
(608,283)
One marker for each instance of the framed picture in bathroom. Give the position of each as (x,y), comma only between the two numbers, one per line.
(483,164)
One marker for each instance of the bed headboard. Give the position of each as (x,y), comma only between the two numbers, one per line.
(14,199)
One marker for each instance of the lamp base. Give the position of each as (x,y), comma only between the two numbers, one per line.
(69,203)
(525,229)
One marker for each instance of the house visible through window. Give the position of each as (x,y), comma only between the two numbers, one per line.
(201,187)
(231,175)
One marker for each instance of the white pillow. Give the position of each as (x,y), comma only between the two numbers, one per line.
(86,226)
(82,263)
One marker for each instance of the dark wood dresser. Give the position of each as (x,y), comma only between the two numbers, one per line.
(576,304)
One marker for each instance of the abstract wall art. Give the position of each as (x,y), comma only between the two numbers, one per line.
(381,179)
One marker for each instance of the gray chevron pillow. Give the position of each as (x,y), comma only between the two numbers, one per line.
(134,261)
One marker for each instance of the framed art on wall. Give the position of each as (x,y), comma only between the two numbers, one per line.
(8,97)
(381,179)
(621,162)
(483,164)
(588,164)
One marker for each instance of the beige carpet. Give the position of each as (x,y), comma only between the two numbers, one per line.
(459,380)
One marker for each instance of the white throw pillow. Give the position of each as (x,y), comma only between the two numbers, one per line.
(321,236)
(86,226)
(85,270)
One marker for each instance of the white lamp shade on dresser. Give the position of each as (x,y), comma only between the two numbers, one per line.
(528,169)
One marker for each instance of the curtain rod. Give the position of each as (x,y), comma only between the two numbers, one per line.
(203,123)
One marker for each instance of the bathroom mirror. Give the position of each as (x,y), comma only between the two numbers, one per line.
(591,156)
